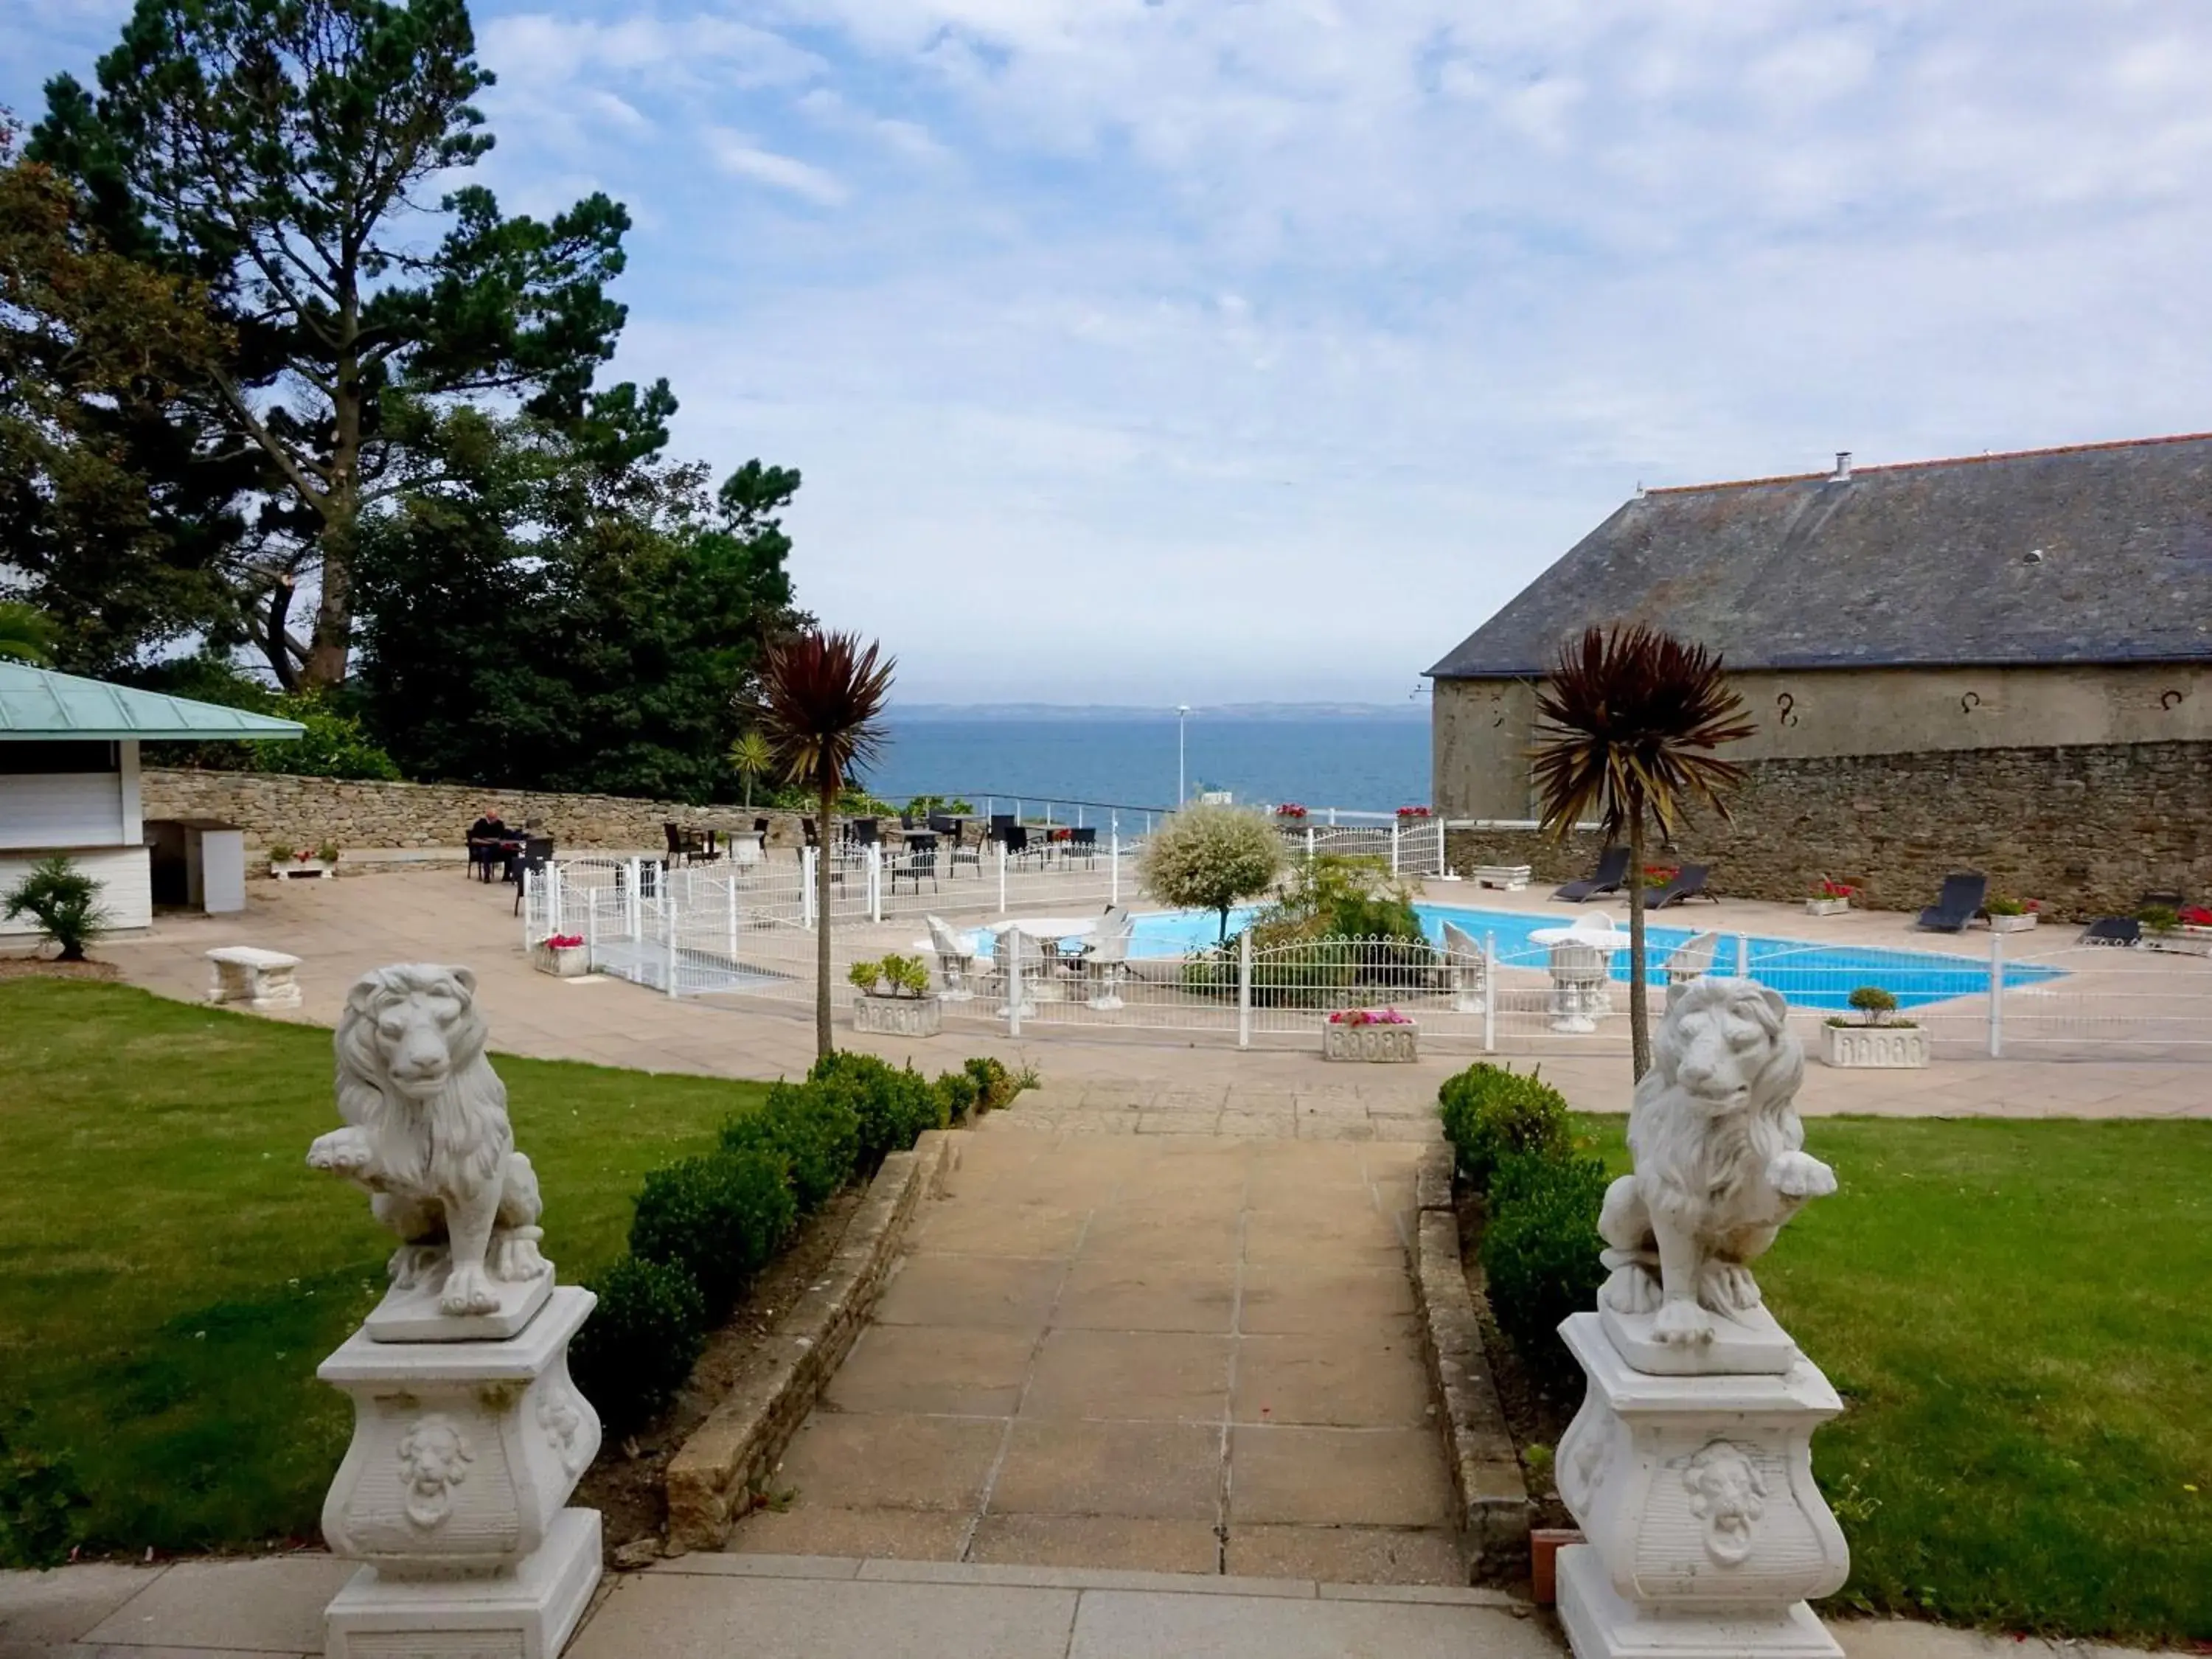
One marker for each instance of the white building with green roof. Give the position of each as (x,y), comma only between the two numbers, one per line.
(69,776)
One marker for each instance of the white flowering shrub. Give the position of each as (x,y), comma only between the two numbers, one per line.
(1211,858)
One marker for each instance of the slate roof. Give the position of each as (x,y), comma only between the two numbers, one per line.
(38,703)
(1925,564)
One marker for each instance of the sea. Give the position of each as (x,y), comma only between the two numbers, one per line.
(1374,762)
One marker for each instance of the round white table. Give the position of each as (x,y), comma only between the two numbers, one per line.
(1045,927)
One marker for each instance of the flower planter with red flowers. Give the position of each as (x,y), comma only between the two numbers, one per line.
(2011,915)
(1408,813)
(564,956)
(1829,899)
(1371,1035)
(1290,809)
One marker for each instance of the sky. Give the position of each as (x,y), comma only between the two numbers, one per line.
(1171,351)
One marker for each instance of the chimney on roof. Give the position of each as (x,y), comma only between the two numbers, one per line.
(1843,474)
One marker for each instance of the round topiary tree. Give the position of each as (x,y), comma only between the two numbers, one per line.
(1211,858)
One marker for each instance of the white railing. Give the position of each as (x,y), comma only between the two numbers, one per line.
(749,931)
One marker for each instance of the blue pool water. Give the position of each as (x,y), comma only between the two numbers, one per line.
(1809,975)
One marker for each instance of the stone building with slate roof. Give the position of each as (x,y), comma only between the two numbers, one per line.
(1985,627)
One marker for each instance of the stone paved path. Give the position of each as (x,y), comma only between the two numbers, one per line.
(1182,1351)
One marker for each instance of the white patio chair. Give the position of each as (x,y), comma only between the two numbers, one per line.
(1690,960)
(956,960)
(1105,964)
(1469,969)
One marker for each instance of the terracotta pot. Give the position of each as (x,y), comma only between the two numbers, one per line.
(1544,1545)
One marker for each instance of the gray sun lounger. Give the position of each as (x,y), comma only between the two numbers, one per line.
(1612,870)
(1958,903)
(1689,883)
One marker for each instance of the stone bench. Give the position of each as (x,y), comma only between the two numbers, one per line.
(258,978)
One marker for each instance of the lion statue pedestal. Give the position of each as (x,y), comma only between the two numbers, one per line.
(1690,1466)
(469,1436)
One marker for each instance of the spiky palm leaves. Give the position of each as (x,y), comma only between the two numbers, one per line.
(1630,719)
(822,697)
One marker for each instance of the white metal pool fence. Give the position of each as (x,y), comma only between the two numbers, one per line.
(747,933)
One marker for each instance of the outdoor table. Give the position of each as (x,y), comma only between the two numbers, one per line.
(1044,930)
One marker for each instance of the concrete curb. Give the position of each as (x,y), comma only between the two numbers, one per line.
(739,1442)
(1486,1480)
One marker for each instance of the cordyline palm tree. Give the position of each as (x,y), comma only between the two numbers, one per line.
(822,697)
(752,757)
(1631,718)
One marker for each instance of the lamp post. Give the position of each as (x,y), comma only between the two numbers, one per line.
(1182,711)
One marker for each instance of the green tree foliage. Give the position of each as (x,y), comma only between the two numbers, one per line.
(1211,858)
(27,634)
(559,610)
(284,153)
(1335,897)
(112,519)
(335,745)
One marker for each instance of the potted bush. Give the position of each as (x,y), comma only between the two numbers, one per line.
(564,956)
(2007,915)
(286,861)
(1877,1038)
(2166,929)
(1829,898)
(1370,1033)
(895,998)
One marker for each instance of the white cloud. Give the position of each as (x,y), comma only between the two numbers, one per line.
(735,156)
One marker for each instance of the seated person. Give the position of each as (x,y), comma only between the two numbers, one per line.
(488,827)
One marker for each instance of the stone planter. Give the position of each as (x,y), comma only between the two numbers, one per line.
(1510,878)
(1890,1047)
(292,869)
(1370,1043)
(562,961)
(908,1016)
(2181,941)
(2019,924)
(1827,907)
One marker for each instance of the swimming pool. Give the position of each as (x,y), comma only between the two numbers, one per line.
(1809,975)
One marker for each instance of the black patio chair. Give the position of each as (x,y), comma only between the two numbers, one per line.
(536,853)
(1958,903)
(1001,823)
(1612,870)
(1688,883)
(917,858)
(862,832)
(1084,844)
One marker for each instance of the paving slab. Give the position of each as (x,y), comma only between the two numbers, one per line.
(1130,1624)
(682,1616)
(62,1605)
(270,1605)
(1076,1399)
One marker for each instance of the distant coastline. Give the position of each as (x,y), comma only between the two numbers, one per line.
(1410,710)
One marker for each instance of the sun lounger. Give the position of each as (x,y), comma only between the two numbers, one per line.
(1958,903)
(1612,870)
(1689,883)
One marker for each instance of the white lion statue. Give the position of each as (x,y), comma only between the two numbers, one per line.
(425,1133)
(1719,1161)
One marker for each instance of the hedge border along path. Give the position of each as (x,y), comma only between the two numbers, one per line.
(710,1480)
(1492,1492)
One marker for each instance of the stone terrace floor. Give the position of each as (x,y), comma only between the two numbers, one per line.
(1177,1353)
(412,913)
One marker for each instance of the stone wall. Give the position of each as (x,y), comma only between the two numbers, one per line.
(2086,829)
(272,807)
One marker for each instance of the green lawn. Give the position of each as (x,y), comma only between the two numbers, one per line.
(2019,1318)
(171,1272)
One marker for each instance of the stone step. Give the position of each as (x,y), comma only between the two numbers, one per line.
(766,1607)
